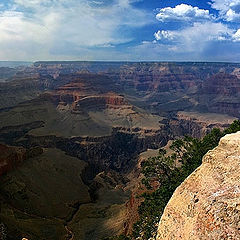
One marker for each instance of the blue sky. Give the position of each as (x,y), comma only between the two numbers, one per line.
(126,30)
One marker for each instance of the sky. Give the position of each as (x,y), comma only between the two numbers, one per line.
(120,30)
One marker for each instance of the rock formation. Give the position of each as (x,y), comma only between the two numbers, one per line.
(207,204)
(10,157)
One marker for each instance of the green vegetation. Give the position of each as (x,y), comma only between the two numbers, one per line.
(169,171)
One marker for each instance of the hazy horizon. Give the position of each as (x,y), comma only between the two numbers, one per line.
(115,61)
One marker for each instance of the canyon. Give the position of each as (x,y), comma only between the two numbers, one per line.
(73,135)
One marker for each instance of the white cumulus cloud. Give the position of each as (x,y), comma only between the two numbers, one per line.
(183,12)
(162,34)
(236,36)
(196,37)
(197,34)
(229,9)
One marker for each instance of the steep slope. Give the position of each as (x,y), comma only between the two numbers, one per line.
(221,93)
(206,205)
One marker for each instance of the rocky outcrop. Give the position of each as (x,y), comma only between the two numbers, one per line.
(108,99)
(85,91)
(11,157)
(80,101)
(207,204)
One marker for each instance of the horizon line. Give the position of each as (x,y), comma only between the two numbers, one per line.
(119,61)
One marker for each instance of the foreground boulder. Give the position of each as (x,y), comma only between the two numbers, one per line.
(207,204)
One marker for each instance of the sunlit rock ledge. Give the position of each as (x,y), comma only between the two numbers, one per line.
(207,204)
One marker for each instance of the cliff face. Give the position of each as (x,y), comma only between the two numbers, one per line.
(222,84)
(220,93)
(198,124)
(207,204)
(179,87)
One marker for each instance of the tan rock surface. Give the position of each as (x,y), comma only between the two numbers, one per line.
(206,205)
